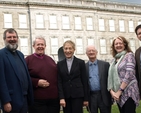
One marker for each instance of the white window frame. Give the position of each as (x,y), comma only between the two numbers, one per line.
(89,23)
(139,22)
(78,23)
(65,22)
(22,21)
(79,45)
(103,47)
(90,41)
(39,21)
(131,26)
(111,25)
(24,45)
(111,40)
(52,21)
(8,21)
(54,45)
(121,26)
(133,45)
(101,25)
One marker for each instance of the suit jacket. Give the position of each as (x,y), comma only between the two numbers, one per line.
(10,83)
(103,68)
(75,83)
(138,68)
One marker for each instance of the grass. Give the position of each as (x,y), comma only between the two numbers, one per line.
(115,109)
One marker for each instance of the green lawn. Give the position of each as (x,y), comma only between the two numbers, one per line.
(115,109)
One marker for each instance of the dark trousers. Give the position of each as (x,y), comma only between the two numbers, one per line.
(73,105)
(128,107)
(23,109)
(96,103)
(45,106)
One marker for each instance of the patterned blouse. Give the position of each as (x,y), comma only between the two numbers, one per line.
(126,72)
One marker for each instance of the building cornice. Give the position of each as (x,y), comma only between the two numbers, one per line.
(87,5)
(13,3)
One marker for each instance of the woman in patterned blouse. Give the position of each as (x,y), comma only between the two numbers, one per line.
(122,82)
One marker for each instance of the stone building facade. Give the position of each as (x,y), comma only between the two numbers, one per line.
(85,22)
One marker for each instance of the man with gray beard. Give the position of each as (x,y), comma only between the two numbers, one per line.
(15,84)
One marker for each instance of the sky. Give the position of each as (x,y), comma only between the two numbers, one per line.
(125,1)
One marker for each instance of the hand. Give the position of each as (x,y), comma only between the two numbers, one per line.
(113,94)
(7,107)
(85,103)
(63,103)
(43,83)
(118,94)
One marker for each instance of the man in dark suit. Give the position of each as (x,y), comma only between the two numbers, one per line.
(138,57)
(98,73)
(72,81)
(15,83)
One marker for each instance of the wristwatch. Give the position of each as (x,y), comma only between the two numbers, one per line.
(120,89)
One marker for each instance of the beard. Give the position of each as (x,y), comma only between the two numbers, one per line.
(11,47)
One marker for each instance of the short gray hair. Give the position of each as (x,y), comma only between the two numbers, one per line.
(39,37)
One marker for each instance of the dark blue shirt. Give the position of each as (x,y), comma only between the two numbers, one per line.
(22,71)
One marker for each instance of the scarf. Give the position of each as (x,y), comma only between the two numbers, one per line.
(113,77)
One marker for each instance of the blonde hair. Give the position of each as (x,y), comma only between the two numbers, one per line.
(69,42)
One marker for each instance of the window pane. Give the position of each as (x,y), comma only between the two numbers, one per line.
(79,46)
(24,46)
(39,21)
(22,21)
(65,22)
(111,41)
(139,22)
(121,25)
(90,41)
(102,42)
(101,25)
(78,23)
(103,50)
(103,46)
(112,25)
(53,21)
(89,23)
(7,20)
(7,25)
(131,26)
(54,45)
(132,45)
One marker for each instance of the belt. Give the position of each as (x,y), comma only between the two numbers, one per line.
(95,92)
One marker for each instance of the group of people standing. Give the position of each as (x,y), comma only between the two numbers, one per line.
(37,84)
